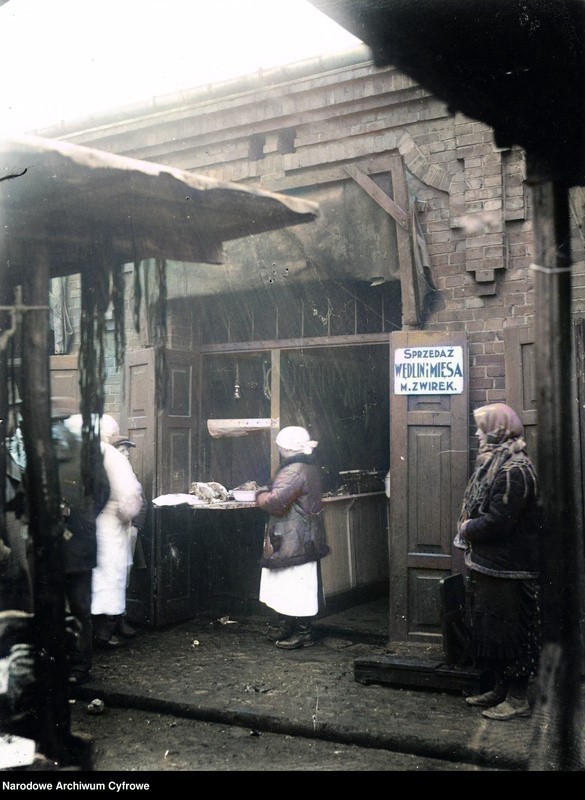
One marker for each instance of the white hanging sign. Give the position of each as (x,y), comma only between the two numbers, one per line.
(428,370)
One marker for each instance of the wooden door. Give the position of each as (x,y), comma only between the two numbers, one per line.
(65,376)
(178,577)
(163,460)
(520,360)
(138,419)
(429,442)
(177,431)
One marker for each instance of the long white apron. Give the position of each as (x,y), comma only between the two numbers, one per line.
(108,582)
(113,524)
(293,591)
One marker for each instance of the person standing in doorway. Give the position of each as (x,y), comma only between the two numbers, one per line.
(79,513)
(135,550)
(294,540)
(109,576)
(499,530)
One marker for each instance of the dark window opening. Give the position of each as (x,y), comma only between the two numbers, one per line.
(256,148)
(286,141)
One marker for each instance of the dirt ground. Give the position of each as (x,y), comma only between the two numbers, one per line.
(231,667)
(131,740)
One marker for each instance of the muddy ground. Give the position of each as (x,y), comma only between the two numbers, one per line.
(237,670)
(131,740)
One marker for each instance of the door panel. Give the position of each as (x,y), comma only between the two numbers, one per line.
(520,359)
(169,588)
(137,418)
(429,437)
(64,376)
(178,424)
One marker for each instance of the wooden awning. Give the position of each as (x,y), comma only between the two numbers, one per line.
(66,197)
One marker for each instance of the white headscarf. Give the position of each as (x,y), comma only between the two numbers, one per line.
(296,440)
(109,428)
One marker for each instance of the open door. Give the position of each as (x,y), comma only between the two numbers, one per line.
(429,468)
(167,589)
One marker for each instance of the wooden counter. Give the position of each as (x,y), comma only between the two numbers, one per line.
(204,560)
(357,533)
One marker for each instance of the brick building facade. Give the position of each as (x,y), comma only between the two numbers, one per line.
(297,126)
(426,222)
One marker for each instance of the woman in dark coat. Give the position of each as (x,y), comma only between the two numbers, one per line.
(499,528)
(294,540)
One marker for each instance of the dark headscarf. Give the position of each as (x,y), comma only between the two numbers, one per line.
(505,448)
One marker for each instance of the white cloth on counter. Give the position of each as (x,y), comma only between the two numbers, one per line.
(293,591)
(178,499)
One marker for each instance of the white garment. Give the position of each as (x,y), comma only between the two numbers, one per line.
(109,428)
(113,524)
(293,591)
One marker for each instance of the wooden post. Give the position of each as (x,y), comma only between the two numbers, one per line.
(274,409)
(49,637)
(555,736)
(4,347)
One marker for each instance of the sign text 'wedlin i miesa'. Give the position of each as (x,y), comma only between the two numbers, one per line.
(428,370)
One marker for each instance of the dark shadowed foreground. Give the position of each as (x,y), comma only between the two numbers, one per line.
(215,694)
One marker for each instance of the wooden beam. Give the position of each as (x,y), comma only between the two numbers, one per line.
(411,305)
(274,408)
(43,497)
(378,195)
(556,735)
(398,209)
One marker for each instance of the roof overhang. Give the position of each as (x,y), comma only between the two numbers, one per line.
(517,65)
(67,198)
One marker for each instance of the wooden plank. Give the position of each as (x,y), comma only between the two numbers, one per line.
(378,195)
(418,673)
(291,344)
(429,560)
(408,279)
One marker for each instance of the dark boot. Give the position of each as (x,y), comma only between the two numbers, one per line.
(103,632)
(301,637)
(123,629)
(285,628)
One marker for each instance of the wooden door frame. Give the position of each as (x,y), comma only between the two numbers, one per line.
(401,561)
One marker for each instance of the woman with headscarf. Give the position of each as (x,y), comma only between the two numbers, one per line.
(294,539)
(499,530)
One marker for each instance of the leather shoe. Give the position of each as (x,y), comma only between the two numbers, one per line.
(485,700)
(284,631)
(113,643)
(78,678)
(125,630)
(506,711)
(296,641)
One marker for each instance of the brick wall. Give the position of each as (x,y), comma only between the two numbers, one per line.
(290,129)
